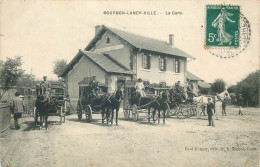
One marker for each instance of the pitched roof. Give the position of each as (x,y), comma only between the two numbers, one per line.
(203,84)
(193,77)
(105,62)
(142,42)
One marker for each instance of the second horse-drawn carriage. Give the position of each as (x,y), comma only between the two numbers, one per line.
(96,100)
(91,101)
(160,99)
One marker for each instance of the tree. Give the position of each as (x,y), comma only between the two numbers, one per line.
(218,86)
(59,67)
(249,88)
(232,89)
(204,91)
(10,72)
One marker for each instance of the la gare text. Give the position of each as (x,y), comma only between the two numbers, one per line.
(141,13)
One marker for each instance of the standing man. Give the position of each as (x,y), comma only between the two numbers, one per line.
(17,108)
(224,102)
(210,112)
(139,86)
(240,104)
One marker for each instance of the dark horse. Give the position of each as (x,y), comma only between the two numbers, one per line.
(115,101)
(44,107)
(40,111)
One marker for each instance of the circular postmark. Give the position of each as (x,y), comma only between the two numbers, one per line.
(222,40)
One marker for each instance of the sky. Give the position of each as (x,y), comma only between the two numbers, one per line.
(44,31)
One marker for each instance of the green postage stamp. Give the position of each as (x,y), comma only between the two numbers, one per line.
(222,25)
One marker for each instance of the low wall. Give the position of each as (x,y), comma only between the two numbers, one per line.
(5,116)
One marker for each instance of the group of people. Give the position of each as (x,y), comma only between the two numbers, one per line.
(211,108)
(18,107)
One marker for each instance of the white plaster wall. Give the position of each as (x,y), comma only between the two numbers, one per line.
(154,75)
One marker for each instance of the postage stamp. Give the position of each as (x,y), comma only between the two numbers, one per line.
(222,25)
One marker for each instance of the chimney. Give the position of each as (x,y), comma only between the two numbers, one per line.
(171,39)
(97,29)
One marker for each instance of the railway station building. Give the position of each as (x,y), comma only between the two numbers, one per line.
(114,56)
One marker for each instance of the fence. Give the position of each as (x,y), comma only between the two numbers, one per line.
(29,107)
(5,116)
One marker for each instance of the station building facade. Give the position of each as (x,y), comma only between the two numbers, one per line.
(114,56)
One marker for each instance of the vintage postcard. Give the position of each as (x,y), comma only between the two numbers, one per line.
(129,83)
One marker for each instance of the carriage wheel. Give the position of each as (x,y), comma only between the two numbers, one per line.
(135,112)
(61,114)
(79,110)
(179,111)
(88,113)
(126,109)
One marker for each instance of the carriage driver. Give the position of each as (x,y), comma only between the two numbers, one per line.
(94,86)
(178,87)
(139,86)
(190,90)
(45,89)
(45,85)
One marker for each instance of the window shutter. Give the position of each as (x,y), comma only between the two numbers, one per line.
(165,63)
(142,60)
(174,65)
(159,61)
(149,61)
(180,66)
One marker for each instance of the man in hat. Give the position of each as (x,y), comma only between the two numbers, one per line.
(17,108)
(94,86)
(178,87)
(139,86)
(45,85)
(224,102)
(210,112)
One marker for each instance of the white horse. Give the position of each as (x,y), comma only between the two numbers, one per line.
(217,100)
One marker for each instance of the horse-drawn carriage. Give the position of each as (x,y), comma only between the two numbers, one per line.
(51,104)
(160,99)
(134,105)
(93,102)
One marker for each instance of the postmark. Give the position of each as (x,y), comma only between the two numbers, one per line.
(227,31)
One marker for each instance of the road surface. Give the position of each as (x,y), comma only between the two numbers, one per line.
(180,142)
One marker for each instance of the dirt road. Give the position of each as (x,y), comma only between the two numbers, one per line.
(180,142)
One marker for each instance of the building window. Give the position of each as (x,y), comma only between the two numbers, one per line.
(145,61)
(162,65)
(108,40)
(177,66)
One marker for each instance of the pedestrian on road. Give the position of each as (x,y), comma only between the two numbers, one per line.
(240,104)
(210,112)
(17,108)
(224,102)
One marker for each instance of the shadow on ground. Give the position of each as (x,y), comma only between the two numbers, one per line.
(93,121)
(32,126)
